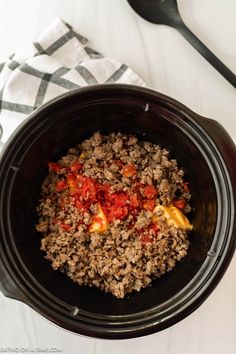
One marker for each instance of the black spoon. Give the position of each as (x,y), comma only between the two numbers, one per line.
(165,12)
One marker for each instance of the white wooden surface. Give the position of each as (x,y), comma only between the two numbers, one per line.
(170,65)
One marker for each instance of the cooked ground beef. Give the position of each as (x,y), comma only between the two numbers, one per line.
(106,213)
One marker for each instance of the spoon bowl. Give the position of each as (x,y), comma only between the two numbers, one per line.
(162,12)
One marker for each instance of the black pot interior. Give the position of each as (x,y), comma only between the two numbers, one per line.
(66,124)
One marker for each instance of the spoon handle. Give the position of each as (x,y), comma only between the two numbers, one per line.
(207,54)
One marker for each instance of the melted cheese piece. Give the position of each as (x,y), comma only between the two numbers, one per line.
(99,223)
(82,155)
(173,216)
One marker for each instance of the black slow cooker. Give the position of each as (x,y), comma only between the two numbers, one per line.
(200,145)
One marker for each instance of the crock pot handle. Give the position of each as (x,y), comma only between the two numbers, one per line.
(223,141)
(1,143)
(8,287)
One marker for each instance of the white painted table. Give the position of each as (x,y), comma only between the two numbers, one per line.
(170,65)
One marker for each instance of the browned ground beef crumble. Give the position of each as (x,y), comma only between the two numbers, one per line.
(132,249)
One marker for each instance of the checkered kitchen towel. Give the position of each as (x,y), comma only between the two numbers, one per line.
(58,62)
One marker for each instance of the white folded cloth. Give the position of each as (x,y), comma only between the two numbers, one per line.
(58,62)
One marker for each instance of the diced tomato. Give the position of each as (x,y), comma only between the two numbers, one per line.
(154,226)
(115,205)
(55,167)
(129,171)
(150,205)
(80,206)
(116,213)
(103,187)
(74,191)
(60,186)
(150,192)
(186,187)
(76,167)
(134,201)
(83,187)
(145,238)
(121,213)
(106,205)
(109,212)
(144,234)
(119,163)
(139,231)
(55,221)
(79,223)
(88,190)
(101,196)
(102,192)
(65,227)
(119,198)
(71,181)
(180,204)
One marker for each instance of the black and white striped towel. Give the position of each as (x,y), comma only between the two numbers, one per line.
(59,61)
